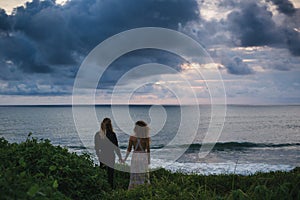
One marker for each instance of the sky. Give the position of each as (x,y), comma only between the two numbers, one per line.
(254,45)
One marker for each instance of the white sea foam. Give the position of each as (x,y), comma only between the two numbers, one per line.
(220,168)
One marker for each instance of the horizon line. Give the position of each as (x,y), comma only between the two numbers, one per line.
(71,105)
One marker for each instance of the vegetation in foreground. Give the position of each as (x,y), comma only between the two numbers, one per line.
(35,169)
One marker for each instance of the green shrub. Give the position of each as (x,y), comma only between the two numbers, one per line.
(36,169)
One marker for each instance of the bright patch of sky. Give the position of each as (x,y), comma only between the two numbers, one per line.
(9,5)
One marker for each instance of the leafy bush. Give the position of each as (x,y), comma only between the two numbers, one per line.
(35,169)
(167,185)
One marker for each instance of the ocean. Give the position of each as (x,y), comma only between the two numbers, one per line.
(253,138)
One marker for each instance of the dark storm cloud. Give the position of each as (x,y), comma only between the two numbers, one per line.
(59,32)
(284,6)
(47,38)
(22,51)
(253,25)
(77,27)
(4,22)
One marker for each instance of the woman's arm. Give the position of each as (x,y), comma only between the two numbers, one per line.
(130,143)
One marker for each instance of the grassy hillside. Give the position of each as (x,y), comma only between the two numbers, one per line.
(35,169)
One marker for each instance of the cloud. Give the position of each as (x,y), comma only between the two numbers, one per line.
(22,51)
(135,58)
(253,25)
(247,24)
(285,6)
(42,44)
(236,66)
(55,35)
(4,22)
(43,37)
(293,41)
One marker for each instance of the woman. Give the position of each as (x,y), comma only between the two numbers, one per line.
(106,145)
(140,143)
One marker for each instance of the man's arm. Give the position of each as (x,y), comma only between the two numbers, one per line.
(117,149)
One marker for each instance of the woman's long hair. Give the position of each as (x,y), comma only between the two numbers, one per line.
(106,126)
(141,130)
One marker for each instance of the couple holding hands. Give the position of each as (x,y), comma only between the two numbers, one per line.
(106,146)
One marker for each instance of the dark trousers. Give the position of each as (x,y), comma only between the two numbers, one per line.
(110,174)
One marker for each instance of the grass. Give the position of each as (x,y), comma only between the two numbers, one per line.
(35,169)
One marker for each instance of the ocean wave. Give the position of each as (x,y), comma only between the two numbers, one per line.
(226,146)
(237,146)
(220,146)
(80,147)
